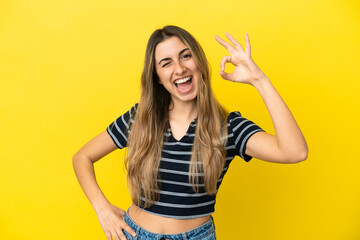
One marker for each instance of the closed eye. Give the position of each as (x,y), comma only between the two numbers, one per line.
(185,56)
(166,64)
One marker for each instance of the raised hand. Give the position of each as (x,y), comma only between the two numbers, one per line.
(246,71)
(112,222)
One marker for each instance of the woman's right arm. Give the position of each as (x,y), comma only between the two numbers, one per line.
(110,217)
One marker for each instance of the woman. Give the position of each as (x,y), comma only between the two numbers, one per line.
(181,141)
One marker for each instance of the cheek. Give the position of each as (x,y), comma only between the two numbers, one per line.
(159,76)
(163,75)
(194,68)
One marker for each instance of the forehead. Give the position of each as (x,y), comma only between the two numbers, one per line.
(169,47)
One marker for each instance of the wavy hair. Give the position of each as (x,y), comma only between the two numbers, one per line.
(146,137)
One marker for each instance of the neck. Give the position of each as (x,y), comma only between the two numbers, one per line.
(183,111)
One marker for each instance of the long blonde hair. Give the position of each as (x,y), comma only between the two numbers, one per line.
(146,137)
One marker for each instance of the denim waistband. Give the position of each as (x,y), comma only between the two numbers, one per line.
(196,233)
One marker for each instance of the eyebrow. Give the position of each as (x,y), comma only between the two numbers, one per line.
(181,52)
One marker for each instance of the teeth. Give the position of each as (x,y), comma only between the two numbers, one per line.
(182,80)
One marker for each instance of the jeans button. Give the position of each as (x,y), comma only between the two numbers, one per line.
(162,238)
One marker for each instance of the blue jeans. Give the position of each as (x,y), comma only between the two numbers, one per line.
(204,232)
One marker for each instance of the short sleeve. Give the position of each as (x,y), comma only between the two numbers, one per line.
(241,130)
(119,129)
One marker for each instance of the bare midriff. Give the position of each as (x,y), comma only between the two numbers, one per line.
(164,225)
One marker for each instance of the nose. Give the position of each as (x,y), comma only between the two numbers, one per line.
(179,68)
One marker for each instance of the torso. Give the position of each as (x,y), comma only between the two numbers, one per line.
(178,128)
(169,216)
(164,225)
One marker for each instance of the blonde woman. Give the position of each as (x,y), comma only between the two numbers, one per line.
(181,141)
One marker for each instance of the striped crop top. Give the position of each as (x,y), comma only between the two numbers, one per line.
(177,198)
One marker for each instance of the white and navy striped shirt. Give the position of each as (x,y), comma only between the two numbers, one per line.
(177,198)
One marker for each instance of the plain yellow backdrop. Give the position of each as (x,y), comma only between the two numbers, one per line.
(69,68)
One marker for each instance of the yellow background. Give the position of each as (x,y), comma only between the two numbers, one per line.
(68,68)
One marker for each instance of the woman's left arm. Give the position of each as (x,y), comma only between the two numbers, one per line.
(288,145)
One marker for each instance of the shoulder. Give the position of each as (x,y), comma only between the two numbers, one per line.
(129,116)
(125,119)
(240,126)
(120,128)
(233,116)
(132,112)
(134,108)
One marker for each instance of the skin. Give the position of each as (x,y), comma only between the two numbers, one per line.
(173,61)
(286,146)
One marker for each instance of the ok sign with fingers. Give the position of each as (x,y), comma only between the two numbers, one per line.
(246,71)
(288,145)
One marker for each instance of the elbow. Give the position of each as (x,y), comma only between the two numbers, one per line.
(80,158)
(300,156)
(75,159)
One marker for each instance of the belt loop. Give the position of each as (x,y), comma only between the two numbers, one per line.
(212,221)
(137,232)
(184,236)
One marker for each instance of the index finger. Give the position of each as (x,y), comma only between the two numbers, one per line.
(234,41)
(128,229)
(225,44)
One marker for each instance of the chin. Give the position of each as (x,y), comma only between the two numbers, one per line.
(188,98)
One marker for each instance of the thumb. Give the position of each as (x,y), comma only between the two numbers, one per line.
(226,76)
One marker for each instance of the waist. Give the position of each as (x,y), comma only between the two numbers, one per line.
(164,225)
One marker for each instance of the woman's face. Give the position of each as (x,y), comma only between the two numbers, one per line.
(177,70)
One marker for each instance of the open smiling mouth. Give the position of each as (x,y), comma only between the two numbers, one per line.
(184,83)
